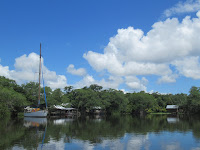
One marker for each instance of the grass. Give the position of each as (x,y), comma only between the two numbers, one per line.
(160,113)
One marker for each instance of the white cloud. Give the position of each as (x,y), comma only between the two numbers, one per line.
(4,71)
(188,67)
(86,81)
(27,68)
(136,84)
(59,82)
(183,7)
(130,52)
(79,72)
(111,82)
(28,63)
(167,79)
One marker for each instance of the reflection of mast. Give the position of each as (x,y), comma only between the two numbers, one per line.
(44,137)
(39,77)
(40,126)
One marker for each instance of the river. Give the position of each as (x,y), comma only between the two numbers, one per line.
(151,132)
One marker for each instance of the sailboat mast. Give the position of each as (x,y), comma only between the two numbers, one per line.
(39,77)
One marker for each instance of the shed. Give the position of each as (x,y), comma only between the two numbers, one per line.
(172,108)
(97,110)
(58,110)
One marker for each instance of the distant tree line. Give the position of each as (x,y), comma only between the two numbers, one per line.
(14,97)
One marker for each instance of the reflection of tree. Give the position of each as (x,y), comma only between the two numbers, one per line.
(13,132)
(92,130)
(32,138)
(10,131)
(115,127)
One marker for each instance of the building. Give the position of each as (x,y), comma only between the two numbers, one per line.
(58,110)
(172,108)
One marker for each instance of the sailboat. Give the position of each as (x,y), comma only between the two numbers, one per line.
(38,111)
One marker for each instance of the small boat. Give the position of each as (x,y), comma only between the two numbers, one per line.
(37,111)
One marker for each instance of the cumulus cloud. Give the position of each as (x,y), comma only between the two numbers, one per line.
(4,71)
(86,81)
(136,84)
(111,82)
(168,79)
(183,7)
(189,67)
(73,71)
(27,68)
(130,52)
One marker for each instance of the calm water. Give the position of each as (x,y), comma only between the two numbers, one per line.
(153,132)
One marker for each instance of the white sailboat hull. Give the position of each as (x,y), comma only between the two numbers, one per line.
(40,113)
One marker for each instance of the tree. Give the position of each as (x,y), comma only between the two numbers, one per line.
(193,101)
(48,92)
(31,92)
(96,87)
(57,96)
(140,102)
(68,89)
(11,101)
(84,99)
(117,101)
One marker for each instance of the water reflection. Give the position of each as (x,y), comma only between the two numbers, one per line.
(34,122)
(38,127)
(62,121)
(118,132)
(172,119)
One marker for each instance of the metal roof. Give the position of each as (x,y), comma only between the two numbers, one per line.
(62,108)
(172,107)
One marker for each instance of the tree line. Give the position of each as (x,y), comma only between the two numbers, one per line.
(14,97)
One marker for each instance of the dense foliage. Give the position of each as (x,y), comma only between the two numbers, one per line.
(14,97)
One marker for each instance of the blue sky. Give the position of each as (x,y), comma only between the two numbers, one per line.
(126,45)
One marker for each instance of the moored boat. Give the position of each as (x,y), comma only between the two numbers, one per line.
(37,111)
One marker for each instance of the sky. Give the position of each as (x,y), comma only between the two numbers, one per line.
(129,45)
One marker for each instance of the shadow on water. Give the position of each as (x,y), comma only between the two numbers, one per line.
(40,133)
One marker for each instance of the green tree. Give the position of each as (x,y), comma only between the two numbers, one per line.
(68,89)
(31,92)
(57,96)
(117,101)
(140,102)
(48,92)
(84,99)
(11,101)
(193,101)
(96,87)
